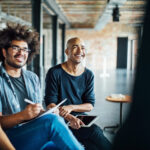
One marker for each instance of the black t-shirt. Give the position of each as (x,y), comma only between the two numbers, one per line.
(20,90)
(61,85)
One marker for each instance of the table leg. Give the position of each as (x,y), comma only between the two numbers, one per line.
(121,105)
(120,124)
(113,126)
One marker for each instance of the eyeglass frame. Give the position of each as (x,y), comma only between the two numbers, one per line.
(18,49)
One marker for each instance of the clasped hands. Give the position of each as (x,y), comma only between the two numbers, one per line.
(65,111)
(74,122)
(62,110)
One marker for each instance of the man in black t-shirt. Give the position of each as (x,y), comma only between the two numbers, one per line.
(75,82)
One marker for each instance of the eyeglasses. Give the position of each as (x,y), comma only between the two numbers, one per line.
(18,49)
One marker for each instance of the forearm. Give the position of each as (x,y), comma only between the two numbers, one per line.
(11,120)
(4,142)
(51,105)
(69,117)
(86,107)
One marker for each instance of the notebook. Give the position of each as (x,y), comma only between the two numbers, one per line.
(46,112)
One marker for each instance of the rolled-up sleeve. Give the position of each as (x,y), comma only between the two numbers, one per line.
(51,89)
(89,96)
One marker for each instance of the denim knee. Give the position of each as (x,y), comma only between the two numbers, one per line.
(52,122)
(60,134)
(53,119)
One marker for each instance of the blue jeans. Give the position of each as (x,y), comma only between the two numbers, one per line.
(39,132)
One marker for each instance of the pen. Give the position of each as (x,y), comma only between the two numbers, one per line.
(28,101)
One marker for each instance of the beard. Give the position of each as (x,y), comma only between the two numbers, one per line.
(17,66)
(12,63)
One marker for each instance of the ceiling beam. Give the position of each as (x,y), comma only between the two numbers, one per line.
(51,4)
(15,2)
(86,2)
(107,14)
(49,11)
(13,19)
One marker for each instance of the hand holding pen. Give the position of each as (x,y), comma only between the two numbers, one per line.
(29,101)
(32,110)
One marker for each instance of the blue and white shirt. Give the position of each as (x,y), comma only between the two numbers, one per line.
(9,103)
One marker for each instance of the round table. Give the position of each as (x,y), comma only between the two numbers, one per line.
(121,100)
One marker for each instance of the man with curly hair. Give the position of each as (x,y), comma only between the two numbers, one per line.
(17,46)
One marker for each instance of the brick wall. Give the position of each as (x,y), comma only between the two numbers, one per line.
(102,45)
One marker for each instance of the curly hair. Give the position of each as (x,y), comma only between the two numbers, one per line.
(20,33)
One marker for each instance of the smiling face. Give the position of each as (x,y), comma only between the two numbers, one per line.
(16,58)
(75,50)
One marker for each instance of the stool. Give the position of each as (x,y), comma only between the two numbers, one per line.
(121,100)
